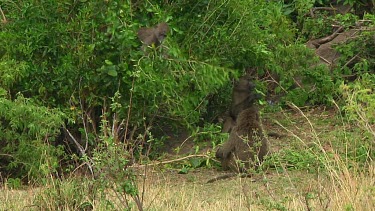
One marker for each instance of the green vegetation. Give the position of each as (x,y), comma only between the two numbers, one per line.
(83,109)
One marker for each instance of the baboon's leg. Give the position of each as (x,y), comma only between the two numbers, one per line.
(224,151)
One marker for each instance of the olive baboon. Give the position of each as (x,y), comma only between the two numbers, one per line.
(242,98)
(154,35)
(247,145)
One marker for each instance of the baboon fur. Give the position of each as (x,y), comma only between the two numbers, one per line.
(154,35)
(247,145)
(242,98)
(228,124)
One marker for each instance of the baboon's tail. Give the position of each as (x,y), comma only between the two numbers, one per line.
(226,176)
(276,135)
(221,177)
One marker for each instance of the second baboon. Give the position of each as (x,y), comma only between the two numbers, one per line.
(154,35)
(247,145)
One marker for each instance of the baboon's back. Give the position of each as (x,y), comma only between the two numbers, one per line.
(250,144)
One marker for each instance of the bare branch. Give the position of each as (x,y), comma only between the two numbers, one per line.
(172,161)
(82,151)
(329,38)
(3,16)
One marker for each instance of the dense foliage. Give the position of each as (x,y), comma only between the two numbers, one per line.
(78,65)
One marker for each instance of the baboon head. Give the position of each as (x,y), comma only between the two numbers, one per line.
(154,35)
(243,96)
(162,31)
(241,90)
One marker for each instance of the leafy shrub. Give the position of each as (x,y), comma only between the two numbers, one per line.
(360,100)
(113,176)
(296,160)
(255,35)
(357,55)
(76,54)
(182,88)
(321,87)
(27,134)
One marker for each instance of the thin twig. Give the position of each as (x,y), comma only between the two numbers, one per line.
(273,80)
(2,14)
(350,61)
(82,151)
(297,83)
(82,116)
(328,38)
(129,110)
(172,161)
(307,201)
(325,60)
(312,10)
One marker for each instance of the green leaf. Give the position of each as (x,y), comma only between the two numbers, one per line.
(184,170)
(195,162)
(112,72)
(108,62)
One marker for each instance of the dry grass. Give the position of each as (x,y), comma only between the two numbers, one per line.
(287,191)
(340,185)
(16,199)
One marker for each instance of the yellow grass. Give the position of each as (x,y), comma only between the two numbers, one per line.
(342,190)
(341,185)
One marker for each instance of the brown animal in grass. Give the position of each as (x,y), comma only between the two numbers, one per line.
(153,36)
(247,145)
(241,99)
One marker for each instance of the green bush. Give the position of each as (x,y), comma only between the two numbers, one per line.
(360,100)
(76,56)
(27,134)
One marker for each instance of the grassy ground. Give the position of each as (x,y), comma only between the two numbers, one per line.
(318,166)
